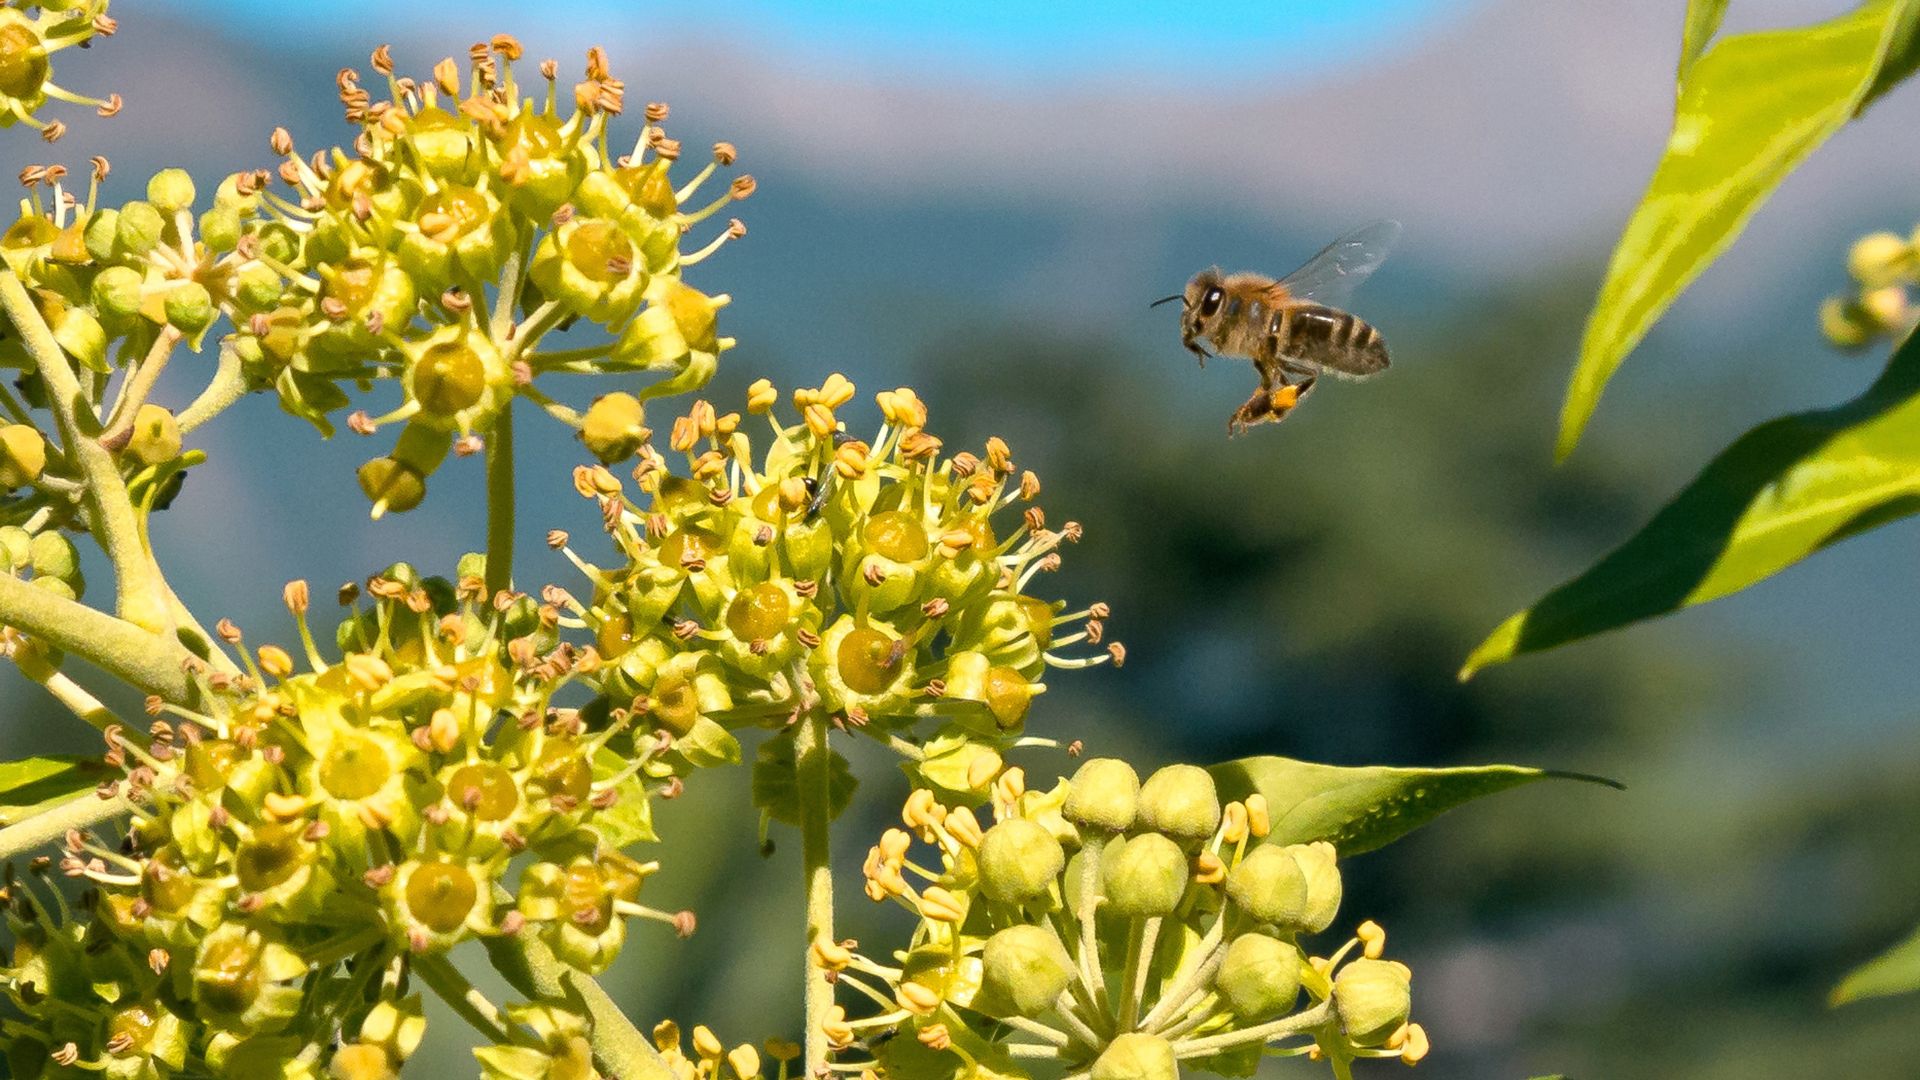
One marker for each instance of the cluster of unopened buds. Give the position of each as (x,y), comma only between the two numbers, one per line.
(872,580)
(1885,266)
(1111,929)
(31,32)
(306,842)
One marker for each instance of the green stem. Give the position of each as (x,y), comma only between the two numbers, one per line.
(620,1048)
(228,385)
(149,662)
(115,526)
(470,1004)
(139,384)
(1299,1022)
(83,812)
(35,665)
(500,503)
(812,766)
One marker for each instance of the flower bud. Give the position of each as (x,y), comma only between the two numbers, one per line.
(220,229)
(170,190)
(116,294)
(1104,795)
(189,307)
(138,228)
(1024,970)
(1259,978)
(102,229)
(1269,886)
(1880,258)
(1146,877)
(1180,801)
(1019,861)
(1316,861)
(23,455)
(614,427)
(53,556)
(1136,1055)
(392,485)
(156,435)
(1372,998)
(16,548)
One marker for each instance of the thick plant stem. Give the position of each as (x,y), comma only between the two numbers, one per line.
(812,766)
(500,503)
(620,1049)
(228,385)
(83,812)
(149,662)
(110,512)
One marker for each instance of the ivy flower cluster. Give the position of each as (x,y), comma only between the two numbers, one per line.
(308,842)
(1112,929)
(879,581)
(31,31)
(468,219)
(1885,266)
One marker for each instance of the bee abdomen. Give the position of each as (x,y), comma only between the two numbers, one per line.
(1328,338)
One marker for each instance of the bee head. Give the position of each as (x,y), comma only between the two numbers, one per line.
(1204,294)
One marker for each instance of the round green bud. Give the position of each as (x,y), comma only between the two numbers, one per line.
(190,307)
(170,190)
(139,228)
(1024,969)
(1259,978)
(53,556)
(1104,795)
(1137,1056)
(1147,877)
(392,485)
(55,586)
(116,293)
(1372,998)
(156,435)
(1180,801)
(1880,258)
(1268,885)
(1317,865)
(449,376)
(23,455)
(102,229)
(16,547)
(1019,860)
(257,288)
(614,427)
(220,229)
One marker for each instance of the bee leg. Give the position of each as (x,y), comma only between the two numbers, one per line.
(1257,410)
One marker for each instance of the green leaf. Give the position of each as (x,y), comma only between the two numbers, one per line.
(1781,492)
(1896,971)
(1903,56)
(1359,809)
(31,784)
(776,791)
(1703,21)
(1751,109)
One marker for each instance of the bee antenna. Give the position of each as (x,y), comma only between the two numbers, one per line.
(1164,300)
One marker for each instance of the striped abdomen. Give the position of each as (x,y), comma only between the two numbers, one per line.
(1323,337)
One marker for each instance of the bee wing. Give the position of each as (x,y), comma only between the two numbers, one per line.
(1330,277)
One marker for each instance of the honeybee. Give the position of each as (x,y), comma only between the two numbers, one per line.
(1294,329)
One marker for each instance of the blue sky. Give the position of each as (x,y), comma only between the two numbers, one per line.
(1002,38)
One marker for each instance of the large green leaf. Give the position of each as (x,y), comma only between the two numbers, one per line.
(31,784)
(1781,492)
(1751,109)
(1359,809)
(1703,21)
(1896,971)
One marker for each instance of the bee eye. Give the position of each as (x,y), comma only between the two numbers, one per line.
(1210,302)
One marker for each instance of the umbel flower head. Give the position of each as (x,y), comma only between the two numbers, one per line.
(470,217)
(31,32)
(306,830)
(1885,266)
(883,582)
(1113,929)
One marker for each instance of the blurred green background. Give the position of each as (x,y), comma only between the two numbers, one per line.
(980,205)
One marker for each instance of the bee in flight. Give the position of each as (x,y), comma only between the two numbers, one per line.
(1292,329)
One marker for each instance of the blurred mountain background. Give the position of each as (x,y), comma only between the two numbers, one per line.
(979,200)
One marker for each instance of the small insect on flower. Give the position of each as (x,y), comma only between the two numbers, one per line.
(1293,329)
